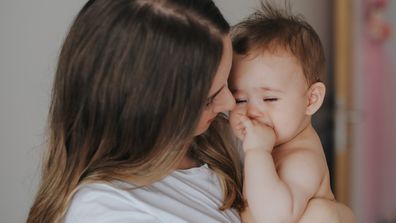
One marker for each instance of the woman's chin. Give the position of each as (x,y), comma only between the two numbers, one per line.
(201,129)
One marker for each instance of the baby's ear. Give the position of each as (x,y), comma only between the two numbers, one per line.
(315,96)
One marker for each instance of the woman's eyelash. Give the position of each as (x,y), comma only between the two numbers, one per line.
(270,99)
(209,102)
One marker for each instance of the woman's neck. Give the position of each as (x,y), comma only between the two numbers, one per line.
(187,163)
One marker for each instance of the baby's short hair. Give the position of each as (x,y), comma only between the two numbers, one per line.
(271,29)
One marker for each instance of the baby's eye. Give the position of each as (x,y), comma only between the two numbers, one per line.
(240,101)
(270,99)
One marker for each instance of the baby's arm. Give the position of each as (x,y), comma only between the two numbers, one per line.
(278,195)
(327,211)
(318,210)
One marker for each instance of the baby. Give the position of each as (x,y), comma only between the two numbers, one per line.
(276,82)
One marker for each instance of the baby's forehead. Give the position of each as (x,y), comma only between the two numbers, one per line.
(269,57)
(275,70)
(268,51)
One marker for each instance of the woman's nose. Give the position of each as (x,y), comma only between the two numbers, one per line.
(226,102)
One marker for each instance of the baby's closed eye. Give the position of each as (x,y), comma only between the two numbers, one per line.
(240,100)
(270,99)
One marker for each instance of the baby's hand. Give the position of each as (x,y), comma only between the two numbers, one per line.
(237,127)
(253,133)
(257,135)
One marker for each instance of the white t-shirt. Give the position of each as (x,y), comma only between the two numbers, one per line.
(192,195)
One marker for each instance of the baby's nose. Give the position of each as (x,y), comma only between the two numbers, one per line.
(253,111)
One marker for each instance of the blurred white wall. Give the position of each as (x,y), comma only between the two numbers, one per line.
(31,33)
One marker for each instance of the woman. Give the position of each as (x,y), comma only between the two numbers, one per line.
(137,81)
(136,126)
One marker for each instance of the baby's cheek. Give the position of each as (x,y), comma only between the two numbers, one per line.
(239,108)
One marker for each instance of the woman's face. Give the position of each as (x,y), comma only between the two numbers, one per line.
(220,98)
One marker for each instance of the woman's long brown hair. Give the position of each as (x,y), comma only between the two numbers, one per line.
(130,86)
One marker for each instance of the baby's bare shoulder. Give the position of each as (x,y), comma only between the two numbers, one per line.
(300,151)
(301,161)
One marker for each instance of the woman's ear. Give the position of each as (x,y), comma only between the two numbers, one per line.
(315,96)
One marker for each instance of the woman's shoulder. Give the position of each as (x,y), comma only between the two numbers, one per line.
(102,203)
(181,197)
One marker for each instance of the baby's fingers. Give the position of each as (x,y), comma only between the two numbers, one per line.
(240,131)
(246,122)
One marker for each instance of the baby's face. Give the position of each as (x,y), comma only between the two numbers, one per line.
(271,88)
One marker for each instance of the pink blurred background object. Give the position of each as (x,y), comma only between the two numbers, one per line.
(376,101)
